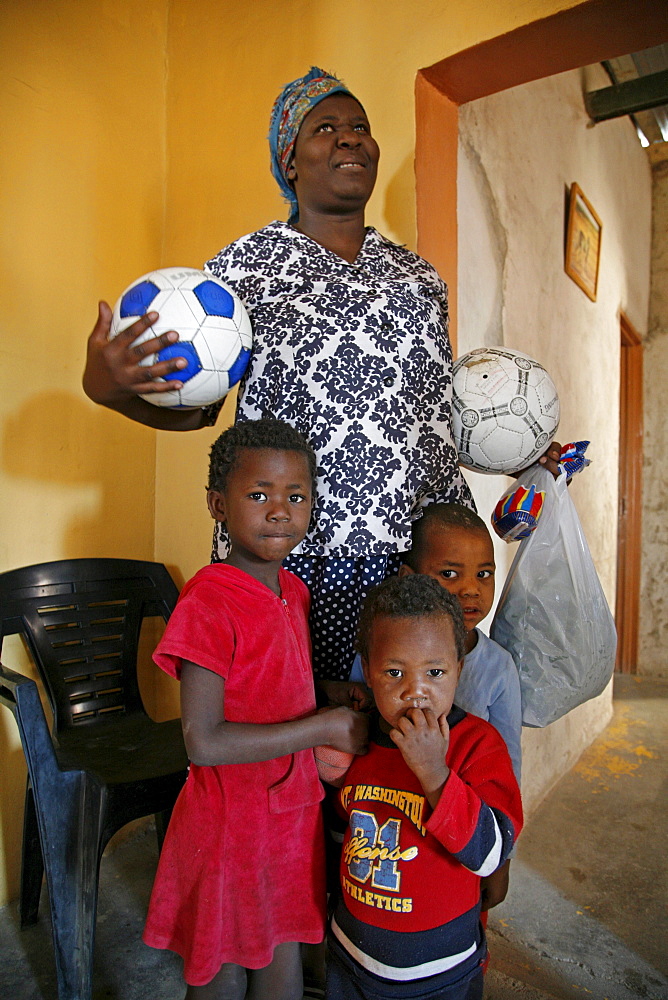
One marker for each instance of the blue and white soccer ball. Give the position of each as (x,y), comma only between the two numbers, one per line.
(215,335)
(505,410)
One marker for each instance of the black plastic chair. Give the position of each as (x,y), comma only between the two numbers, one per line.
(105,762)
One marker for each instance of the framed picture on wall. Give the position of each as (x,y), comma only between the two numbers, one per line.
(583,243)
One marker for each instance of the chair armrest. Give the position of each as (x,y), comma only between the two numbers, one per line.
(10,681)
(21,696)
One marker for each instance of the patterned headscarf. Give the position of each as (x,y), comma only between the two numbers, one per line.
(289,110)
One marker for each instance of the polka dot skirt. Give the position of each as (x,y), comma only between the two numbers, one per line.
(338,588)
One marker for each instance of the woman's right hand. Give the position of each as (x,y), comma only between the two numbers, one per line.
(113,374)
(346,730)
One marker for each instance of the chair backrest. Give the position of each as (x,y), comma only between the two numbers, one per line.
(81,619)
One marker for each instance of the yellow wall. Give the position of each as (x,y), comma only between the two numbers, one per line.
(133,136)
(83,182)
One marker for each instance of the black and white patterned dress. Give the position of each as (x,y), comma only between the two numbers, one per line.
(357,357)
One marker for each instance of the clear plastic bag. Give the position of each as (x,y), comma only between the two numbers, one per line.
(553,617)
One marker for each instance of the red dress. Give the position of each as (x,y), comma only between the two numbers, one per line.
(242,866)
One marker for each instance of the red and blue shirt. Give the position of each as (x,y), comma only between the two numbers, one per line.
(410,875)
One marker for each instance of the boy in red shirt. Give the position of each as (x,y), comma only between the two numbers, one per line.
(431,809)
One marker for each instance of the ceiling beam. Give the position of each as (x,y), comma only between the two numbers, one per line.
(626,98)
(583,34)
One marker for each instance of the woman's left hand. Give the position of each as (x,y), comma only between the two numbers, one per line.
(550,460)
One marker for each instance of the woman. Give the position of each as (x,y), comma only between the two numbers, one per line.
(350,346)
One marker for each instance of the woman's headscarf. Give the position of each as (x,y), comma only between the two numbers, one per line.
(289,110)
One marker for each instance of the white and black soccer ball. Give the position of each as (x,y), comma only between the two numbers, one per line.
(505,410)
(215,335)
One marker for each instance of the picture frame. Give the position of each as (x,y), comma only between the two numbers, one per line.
(583,243)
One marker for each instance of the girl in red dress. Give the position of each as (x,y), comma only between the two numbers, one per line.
(240,881)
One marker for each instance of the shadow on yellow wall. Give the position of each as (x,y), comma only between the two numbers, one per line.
(59,442)
(63,448)
(64,456)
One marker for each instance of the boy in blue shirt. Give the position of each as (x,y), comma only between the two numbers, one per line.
(452,544)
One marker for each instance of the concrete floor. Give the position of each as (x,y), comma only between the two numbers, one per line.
(586,911)
(585,915)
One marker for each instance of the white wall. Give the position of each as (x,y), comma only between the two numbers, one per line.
(653,651)
(519,152)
